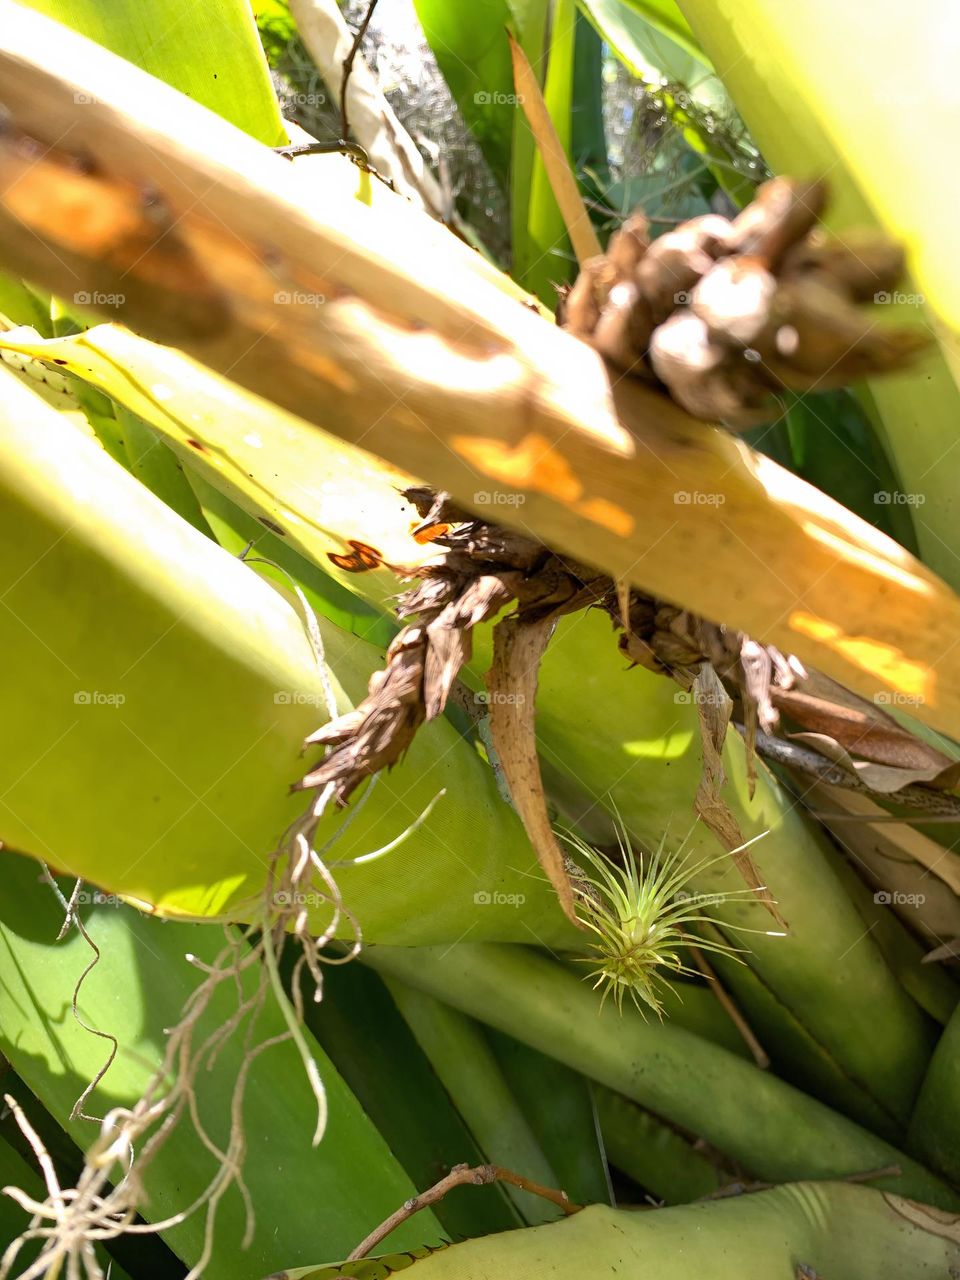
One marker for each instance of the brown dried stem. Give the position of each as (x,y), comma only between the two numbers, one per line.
(348,69)
(461,1175)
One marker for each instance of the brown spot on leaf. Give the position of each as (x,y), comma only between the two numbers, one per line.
(363,557)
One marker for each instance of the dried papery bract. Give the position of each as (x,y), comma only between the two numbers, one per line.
(640,912)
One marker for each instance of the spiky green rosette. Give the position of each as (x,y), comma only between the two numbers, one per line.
(640,912)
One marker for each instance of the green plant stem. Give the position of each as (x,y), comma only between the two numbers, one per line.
(771,1128)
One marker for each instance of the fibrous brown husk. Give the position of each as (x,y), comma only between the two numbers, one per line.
(725,314)
(485,569)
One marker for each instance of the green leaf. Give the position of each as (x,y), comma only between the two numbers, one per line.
(588,143)
(210,52)
(795,1231)
(828,440)
(550,257)
(773,1130)
(630,739)
(374,1050)
(665,16)
(314,492)
(237,532)
(935,1126)
(662,1161)
(155,466)
(879,136)
(178,678)
(464,1062)
(558,1105)
(469,42)
(135,993)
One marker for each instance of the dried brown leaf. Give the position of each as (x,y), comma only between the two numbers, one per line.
(714,708)
(864,728)
(883,778)
(947,951)
(927,902)
(512,685)
(562,180)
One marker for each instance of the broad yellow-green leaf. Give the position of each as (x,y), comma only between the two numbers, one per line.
(469,42)
(302,485)
(552,262)
(665,16)
(868,101)
(157,694)
(631,738)
(597,723)
(209,51)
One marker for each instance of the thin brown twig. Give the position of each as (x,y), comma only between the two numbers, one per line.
(760,1055)
(348,69)
(459,1176)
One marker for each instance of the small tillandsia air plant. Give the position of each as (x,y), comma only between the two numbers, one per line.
(640,912)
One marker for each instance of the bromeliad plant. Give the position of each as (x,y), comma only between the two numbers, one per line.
(644,915)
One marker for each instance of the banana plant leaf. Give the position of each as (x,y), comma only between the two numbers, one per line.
(596,696)
(469,43)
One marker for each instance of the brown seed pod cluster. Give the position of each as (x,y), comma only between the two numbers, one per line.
(725,314)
